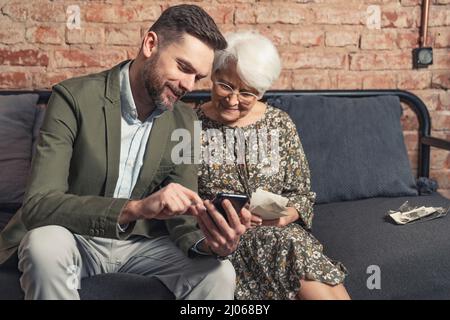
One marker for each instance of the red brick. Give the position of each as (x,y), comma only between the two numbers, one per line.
(409,120)
(407,39)
(442,1)
(409,3)
(400,17)
(442,177)
(307,38)
(78,72)
(293,14)
(14,80)
(45,80)
(314,60)
(222,14)
(147,13)
(73,58)
(311,80)
(279,35)
(88,35)
(442,38)
(414,80)
(438,159)
(284,81)
(379,40)
(413,158)
(346,80)
(440,120)
(441,59)
(109,13)
(123,36)
(132,52)
(379,81)
(441,80)
(23,57)
(237,1)
(447,163)
(16,10)
(381,61)
(339,16)
(74,36)
(46,34)
(11,32)
(341,39)
(439,16)
(67,58)
(245,15)
(444,100)
(45,11)
(429,97)
(371,2)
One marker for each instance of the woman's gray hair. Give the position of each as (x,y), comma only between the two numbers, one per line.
(257,60)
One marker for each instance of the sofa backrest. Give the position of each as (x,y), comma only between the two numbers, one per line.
(354,146)
(18,134)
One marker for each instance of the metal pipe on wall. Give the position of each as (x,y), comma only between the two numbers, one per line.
(424,23)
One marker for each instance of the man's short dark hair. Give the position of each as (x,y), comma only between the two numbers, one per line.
(190,19)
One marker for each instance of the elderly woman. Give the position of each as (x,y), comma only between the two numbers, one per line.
(276,259)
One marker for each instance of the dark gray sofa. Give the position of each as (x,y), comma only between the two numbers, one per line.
(356,185)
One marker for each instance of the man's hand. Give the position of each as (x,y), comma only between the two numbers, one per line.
(222,238)
(283,221)
(172,200)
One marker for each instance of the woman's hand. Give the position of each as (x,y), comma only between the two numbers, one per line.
(256,221)
(283,221)
(246,217)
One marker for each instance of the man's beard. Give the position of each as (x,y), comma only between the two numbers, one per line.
(155,85)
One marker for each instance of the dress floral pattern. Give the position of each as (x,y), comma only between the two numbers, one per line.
(269,261)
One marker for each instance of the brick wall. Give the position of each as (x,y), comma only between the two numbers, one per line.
(325,44)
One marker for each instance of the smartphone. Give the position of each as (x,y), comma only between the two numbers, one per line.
(238,201)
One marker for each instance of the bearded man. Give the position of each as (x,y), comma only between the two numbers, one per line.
(104,194)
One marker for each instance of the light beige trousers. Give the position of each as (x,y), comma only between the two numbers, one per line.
(53,261)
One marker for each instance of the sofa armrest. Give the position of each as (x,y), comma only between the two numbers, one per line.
(436,142)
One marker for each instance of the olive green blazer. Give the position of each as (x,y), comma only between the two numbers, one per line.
(75,169)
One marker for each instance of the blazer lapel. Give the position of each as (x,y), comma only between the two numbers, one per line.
(113,118)
(154,151)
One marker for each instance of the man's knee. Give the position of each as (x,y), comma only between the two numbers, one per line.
(47,245)
(224,276)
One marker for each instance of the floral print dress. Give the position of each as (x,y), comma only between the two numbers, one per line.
(269,261)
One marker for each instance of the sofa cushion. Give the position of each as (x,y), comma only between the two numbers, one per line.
(111,286)
(122,286)
(354,146)
(414,259)
(17,117)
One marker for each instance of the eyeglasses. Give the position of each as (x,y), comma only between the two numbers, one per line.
(225,90)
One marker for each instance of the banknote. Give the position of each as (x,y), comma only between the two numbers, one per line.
(268,205)
(407,214)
